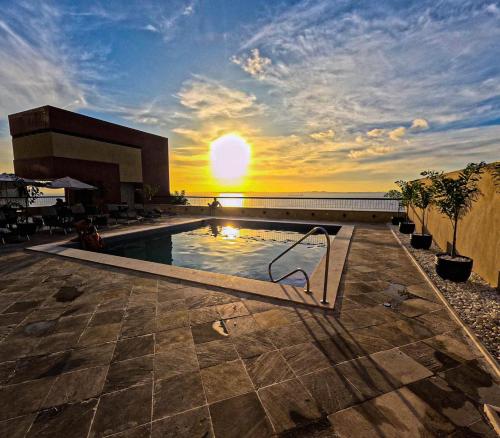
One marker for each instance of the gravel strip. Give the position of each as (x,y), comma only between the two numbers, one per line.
(477,303)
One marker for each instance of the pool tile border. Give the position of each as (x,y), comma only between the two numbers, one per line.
(338,254)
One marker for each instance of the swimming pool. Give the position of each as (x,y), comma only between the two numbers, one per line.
(241,248)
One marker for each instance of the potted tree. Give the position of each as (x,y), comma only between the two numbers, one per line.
(407,197)
(395,194)
(423,198)
(454,198)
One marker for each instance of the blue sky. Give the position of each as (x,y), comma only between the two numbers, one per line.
(332,95)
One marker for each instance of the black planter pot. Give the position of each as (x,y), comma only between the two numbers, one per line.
(406,227)
(421,241)
(395,220)
(457,269)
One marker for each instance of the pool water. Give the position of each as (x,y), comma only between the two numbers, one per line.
(242,248)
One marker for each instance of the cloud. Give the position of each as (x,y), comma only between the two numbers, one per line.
(151,28)
(375,132)
(254,64)
(375,150)
(207,98)
(419,124)
(354,66)
(398,133)
(323,135)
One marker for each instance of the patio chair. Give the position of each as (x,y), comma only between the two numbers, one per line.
(97,218)
(3,233)
(114,211)
(52,220)
(78,212)
(26,229)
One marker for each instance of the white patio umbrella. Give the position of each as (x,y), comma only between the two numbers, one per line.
(11,178)
(70,183)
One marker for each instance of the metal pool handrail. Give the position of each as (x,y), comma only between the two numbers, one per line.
(327,264)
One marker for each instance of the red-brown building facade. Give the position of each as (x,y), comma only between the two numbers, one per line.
(52,143)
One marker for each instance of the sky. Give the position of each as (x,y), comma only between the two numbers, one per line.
(330,95)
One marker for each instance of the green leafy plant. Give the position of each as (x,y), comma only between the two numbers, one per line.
(395,194)
(408,190)
(424,197)
(178,198)
(29,193)
(454,196)
(149,191)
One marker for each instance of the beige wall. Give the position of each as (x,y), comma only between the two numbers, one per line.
(67,146)
(478,232)
(284,213)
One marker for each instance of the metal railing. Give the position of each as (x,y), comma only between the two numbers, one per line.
(306,203)
(327,264)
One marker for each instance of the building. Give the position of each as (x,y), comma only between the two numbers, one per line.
(51,143)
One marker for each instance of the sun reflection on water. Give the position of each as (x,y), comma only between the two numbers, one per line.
(230,233)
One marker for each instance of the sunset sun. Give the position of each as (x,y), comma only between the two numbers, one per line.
(229,158)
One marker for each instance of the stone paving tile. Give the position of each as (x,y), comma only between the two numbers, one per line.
(7,371)
(191,424)
(438,322)
(273,318)
(177,360)
(331,390)
(65,420)
(130,348)
(177,394)
(305,358)
(396,414)
(417,306)
(172,320)
(37,367)
(16,427)
(206,332)
(197,298)
(215,352)
(106,317)
(339,349)
(453,346)
(76,386)
(241,416)
(168,339)
(268,368)
(471,379)
(232,310)
(138,321)
(252,344)
(23,398)
(289,405)
(203,315)
(452,404)
(228,379)
(171,306)
(89,357)
(128,373)
(429,357)
(288,335)
(382,372)
(143,431)
(99,334)
(241,325)
(122,410)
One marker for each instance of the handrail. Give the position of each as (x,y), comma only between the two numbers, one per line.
(327,264)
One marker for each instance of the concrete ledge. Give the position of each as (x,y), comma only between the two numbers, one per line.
(338,254)
(283,213)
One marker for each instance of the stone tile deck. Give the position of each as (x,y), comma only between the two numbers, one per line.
(91,351)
